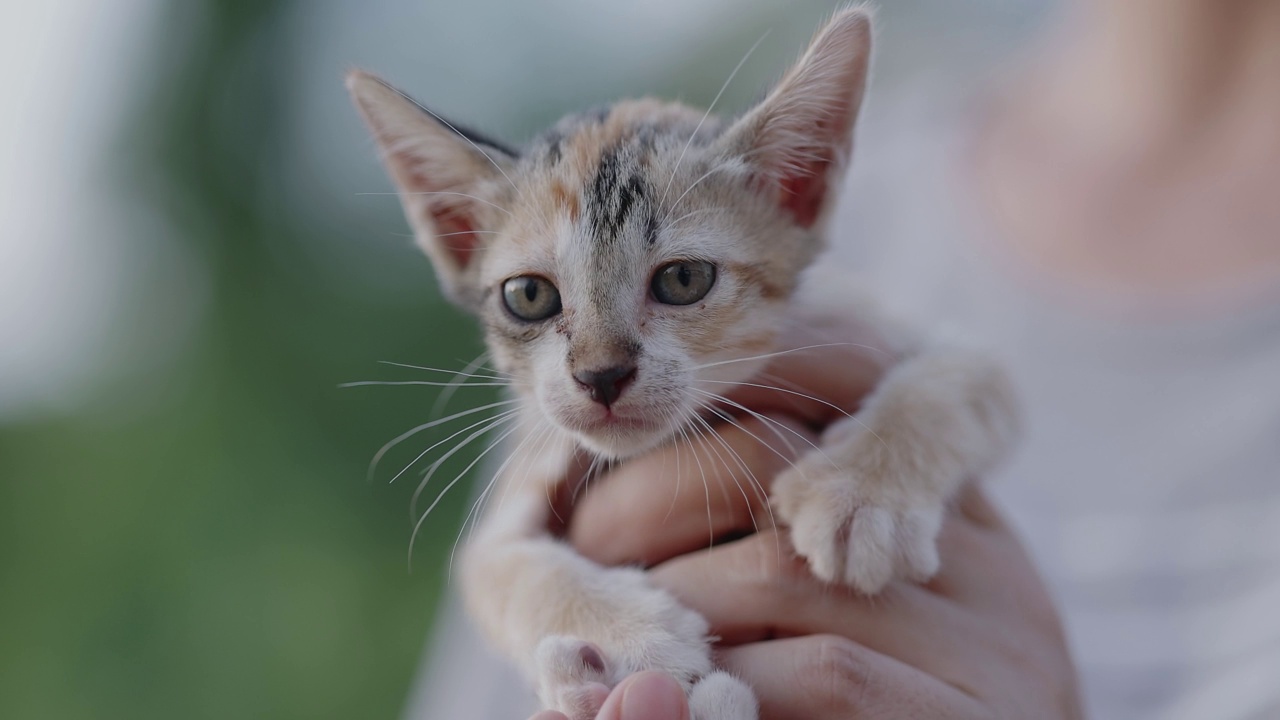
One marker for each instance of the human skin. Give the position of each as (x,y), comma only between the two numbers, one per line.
(1134,151)
(981,640)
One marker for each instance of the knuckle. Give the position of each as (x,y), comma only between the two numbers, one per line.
(837,673)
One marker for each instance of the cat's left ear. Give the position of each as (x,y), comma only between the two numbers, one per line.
(799,139)
(453,184)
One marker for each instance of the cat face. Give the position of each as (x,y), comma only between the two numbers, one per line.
(620,276)
(627,263)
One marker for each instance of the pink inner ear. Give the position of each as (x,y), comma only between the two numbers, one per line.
(457,234)
(450,215)
(804,185)
(804,193)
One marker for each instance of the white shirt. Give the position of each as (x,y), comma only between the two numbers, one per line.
(1147,485)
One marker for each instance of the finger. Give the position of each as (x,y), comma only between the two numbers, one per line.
(823,677)
(986,567)
(646,696)
(757,588)
(982,558)
(550,715)
(685,496)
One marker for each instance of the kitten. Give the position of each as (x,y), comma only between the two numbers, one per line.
(617,264)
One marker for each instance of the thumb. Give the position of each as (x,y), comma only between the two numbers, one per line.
(646,696)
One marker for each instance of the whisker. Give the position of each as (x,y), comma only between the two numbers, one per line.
(414,536)
(762,494)
(419,456)
(781,390)
(676,496)
(431,469)
(480,506)
(442,401)
(430,383)
(443,192)
(692,213)
(464,136)
(724,492)
(792,350)
(466,232)
(545,433)
(695,184)
(847,414)
(468,371)
(710,108)
(794,386)
(446,123)
(435,466)
(756,486)
(741,465)
(711,531)
(729,416)
(586,480)
(783,381)
(768,421)
(600,466)
(547,486)
(373,464)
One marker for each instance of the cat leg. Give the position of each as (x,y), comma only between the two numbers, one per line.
(577,628)
(866,508)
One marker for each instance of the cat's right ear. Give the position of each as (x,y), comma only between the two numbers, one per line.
(798,140)
(453,185)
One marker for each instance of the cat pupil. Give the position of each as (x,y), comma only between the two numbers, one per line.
(530,290)
(684,275)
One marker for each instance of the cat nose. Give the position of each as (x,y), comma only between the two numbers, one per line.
(605,386)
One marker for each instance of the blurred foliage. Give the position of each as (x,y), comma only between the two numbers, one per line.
(220,555)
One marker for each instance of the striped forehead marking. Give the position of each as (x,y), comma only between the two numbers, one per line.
(617,191)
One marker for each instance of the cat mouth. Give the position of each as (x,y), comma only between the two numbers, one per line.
(616,435)
(610,421)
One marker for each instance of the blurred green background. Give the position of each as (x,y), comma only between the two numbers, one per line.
(196,254)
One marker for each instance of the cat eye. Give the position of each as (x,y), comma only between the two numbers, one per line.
(531,298)
(683,282)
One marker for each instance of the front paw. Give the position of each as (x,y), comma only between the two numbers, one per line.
(575,678)
(853,535)
(633,626)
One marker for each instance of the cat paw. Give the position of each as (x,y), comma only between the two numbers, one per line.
(721,696)
(638,627)
(851,537)
(574,677)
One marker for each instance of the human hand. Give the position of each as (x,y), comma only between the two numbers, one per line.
(980,640)
(643,696)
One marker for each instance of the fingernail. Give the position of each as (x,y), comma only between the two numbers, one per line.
(653,696)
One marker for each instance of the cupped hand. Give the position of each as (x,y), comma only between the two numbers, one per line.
(980,640)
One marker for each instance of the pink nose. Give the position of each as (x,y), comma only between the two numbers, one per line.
(606,386)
